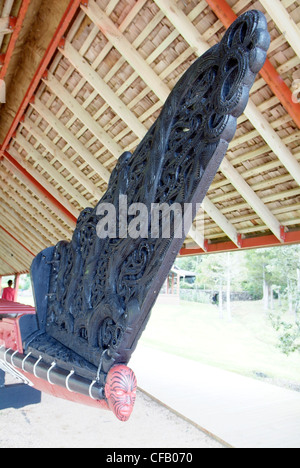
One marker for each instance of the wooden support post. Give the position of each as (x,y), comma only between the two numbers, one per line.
(16,286)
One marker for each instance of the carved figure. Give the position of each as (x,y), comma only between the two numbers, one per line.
(94,295)
(120,391)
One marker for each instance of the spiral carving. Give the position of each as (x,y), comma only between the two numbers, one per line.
(105,288)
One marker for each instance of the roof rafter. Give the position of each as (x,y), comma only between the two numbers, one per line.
(12,264)
(81,114)
(60,156)
(64,24)
(102,88)
(39,189)
(13,225)
(252,199)
(227,16)
(182,23)
(284,22)
(103,85)
(19,254)
(19,192)
(26,211)
(198,237)
(11,246)
(20,160)
(44,163)
(221,221)
(193,37)
(156,84)
(13,237)
(6,13)
(273,140)
(11,222)
(4,26)
(70,138)
(126,49)
(33,228)
(15,34)
(12,270)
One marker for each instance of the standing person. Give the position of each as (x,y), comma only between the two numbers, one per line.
(9,295)
(9,292)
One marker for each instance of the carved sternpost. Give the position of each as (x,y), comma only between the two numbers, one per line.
(102,288)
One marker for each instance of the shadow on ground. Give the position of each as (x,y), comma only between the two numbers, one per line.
(18,396)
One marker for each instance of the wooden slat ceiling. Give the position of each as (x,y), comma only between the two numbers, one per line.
(105,87)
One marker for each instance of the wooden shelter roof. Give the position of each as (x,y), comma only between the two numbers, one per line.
(86,80)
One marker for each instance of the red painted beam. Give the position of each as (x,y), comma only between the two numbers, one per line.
(5,261)
(65,22)
(57,205)
(16,240)
(259,242)
(16,24)
(280,89)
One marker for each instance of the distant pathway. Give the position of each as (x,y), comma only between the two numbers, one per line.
(239,410)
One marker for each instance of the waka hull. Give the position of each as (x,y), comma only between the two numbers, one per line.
(46,378)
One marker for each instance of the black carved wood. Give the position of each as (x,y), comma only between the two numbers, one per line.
(94,296)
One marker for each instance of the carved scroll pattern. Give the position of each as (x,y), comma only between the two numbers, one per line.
(98,286)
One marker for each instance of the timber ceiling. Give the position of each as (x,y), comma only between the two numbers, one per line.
(104,87)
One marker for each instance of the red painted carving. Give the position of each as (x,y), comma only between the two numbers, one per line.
(120,391)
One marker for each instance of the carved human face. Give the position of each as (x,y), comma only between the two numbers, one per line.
(120,391)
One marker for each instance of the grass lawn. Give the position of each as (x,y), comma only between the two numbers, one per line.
(246,344)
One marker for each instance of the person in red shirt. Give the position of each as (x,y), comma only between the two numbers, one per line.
(9,293)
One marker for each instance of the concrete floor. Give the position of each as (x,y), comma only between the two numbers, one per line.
(243,412)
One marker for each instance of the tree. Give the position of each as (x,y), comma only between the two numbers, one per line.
(221,272)
(286,270)
(189,263)
(259,277)
(268,274)
(25,282)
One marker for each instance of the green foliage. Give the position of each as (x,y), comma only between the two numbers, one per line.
(289,334)
(189,263)
(257,262)
(269,273)
(211,271)
(185,285)
(25,282)
(254,288)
